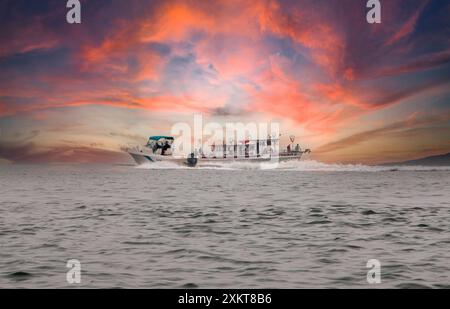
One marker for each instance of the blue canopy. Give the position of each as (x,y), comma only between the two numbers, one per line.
(157,138)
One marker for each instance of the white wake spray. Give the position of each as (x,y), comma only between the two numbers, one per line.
(303,165)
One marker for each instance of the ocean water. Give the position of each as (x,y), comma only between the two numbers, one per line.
(299,225)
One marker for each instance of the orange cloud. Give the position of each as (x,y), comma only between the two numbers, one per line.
(306,27)
(392,130)
(408,27)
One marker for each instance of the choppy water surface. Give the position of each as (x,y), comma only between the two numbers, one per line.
(301,225)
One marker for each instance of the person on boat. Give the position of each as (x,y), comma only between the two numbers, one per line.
(269,140)
(155,147)
(288,148)
(164,148)
(297,148)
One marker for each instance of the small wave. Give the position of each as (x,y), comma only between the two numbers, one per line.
(412,285)
(19,275)
(189,285)
(368,212)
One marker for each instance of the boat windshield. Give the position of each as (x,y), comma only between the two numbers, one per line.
(160,139)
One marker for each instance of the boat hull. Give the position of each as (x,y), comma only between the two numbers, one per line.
(146,158)
(143,158)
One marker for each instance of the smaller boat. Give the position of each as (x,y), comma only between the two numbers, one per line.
(159,149)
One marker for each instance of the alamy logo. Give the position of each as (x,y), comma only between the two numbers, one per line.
(233,140)
(374,14)
(73,276)
(374,274)
(74,14)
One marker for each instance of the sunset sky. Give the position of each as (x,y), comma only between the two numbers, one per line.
(351,91)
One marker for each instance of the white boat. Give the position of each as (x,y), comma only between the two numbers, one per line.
(161,149)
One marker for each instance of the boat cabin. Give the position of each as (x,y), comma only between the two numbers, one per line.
(244,149)
(161,145)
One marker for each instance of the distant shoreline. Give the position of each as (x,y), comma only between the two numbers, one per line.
(438,160)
